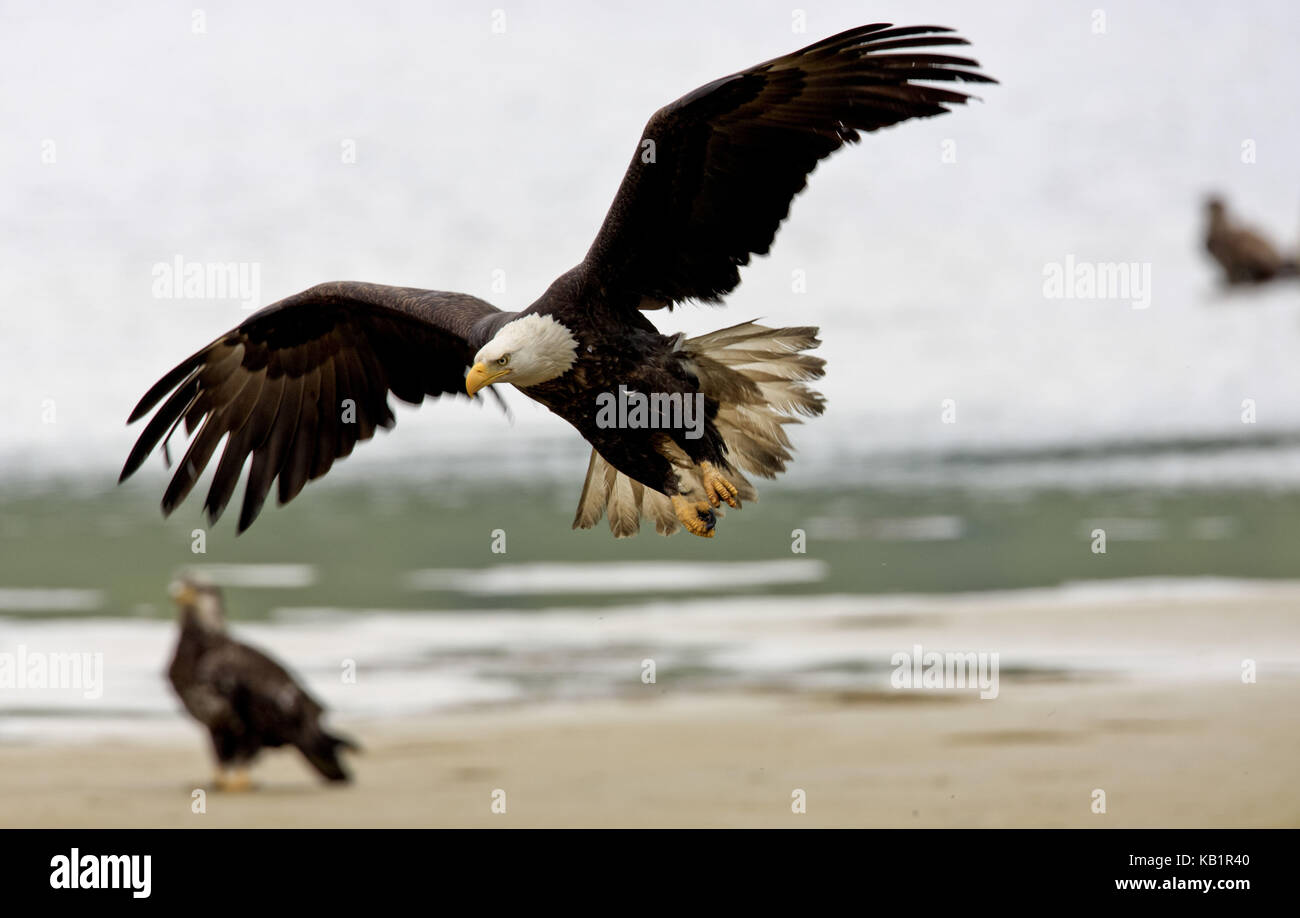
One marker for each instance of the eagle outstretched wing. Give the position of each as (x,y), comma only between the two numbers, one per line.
(301,382)
(714,173)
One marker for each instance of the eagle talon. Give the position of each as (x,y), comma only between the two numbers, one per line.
(717,489)
(698,518)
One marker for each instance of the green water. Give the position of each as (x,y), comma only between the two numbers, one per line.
(363,540)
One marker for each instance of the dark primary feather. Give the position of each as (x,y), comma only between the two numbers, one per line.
(730,156)
(274,387)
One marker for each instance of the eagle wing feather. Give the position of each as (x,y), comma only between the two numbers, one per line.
(275,388)
(714,172)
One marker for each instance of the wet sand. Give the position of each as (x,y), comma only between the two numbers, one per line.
(1172,754)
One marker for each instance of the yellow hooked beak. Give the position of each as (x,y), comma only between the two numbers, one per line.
(479,376)
(181,592)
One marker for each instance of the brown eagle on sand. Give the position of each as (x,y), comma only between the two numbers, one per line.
(245,699)
(301,382)
(1245,256)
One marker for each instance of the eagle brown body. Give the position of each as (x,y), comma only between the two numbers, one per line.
(298,384)
(246,700)
(1245,256)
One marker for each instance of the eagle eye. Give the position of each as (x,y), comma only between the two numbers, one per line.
(503,360)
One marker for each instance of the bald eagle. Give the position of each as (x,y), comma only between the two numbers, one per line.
(1245,256)
(299,383)
(245,699)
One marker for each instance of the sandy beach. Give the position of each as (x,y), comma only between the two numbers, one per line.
(1208,751)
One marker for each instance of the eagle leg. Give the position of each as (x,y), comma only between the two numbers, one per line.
(696,516)
(717,488)
(234,782)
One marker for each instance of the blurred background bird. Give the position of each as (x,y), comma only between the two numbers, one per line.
(1245,256)
(246,700)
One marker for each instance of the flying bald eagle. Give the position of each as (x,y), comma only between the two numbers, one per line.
(245,699)
(299,383)
(1245,256)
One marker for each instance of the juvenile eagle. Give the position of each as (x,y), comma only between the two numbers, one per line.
(245,699)
(299,383)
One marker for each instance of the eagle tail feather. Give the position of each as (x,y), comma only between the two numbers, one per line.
(758,375)
(322,751)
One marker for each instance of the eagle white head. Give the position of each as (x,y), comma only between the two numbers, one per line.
(199,602)
(530,350)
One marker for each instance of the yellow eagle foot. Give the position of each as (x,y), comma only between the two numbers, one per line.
(234,782)
(696,516)
(717,488)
